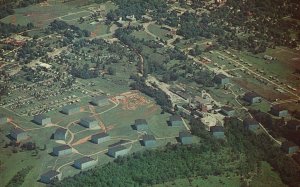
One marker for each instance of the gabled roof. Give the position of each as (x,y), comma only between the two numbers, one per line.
(50,174)
(40,117)
(288,144)
(148,137)
(17,131)
(60,131)
(217,129)
(62,147)
(250,121)
(175,118)
(140,122)
(183,134)
(227,108)
(278,108)
(69,107)
(83,160)
(117,148)
(250,95)
(99,135)
(221,76)
(88,119)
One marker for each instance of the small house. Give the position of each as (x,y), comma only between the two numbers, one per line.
(117,151)
(228,111)
(140,124)
(85,163)
(60,134)
(293,125)
(18,134)
(62,150)
(217,132)
(50,176)
(185,137)
(101,100)
(89,122)
(289,147)
(175,121)
(100,138)
(42,119)
(279,111)
(252,97)
(148,140)
(70,109)
(221,79)
(251,124)
(3,119)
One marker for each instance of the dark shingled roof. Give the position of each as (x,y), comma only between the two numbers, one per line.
(50,174)
(250,121)
(250,95)
(175,118)
(60,131)
(117,148)
(62,147)
(41,116)
(100,135)
(278,108)
(185,134)
(227,108)
(140,121)
(17,131)
(69,107)
(217,129)
(88,119)
(83,160)
(221,76)
(148,137)
(288,144)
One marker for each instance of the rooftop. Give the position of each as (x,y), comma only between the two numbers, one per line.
(17,131)
(100,135)
(251,95)
(84,160)
(250,121)
(117,148)
(69,107)
(227,108)
(100,97)
(288,144)
(185,134)
(221,76)
(62,147)
(50,174)
(88,119)
(148,137)
(217,129)
(175,118)
(278,108)
(41,116)
(60,131)
(140,121)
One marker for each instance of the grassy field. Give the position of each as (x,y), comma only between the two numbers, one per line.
(158,31)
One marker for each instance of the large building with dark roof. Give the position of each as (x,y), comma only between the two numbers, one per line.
(62,150)
(228,111)
(175,121)
(89,122)
(100,138)
(217,132)
(252,97)
(70,109)
(251,124)
(101,100)
(60,134)
(140,124)
(221,79)
(85,163)
(42,119)
(18,134)
(117,151)
(293,125)
(279,111)
(289,147)
(185,137)
(50,176)
(148,141)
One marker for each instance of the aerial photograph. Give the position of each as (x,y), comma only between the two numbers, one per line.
(150,93)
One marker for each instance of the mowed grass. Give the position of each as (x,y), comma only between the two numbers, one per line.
(142,35)
(158,31)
